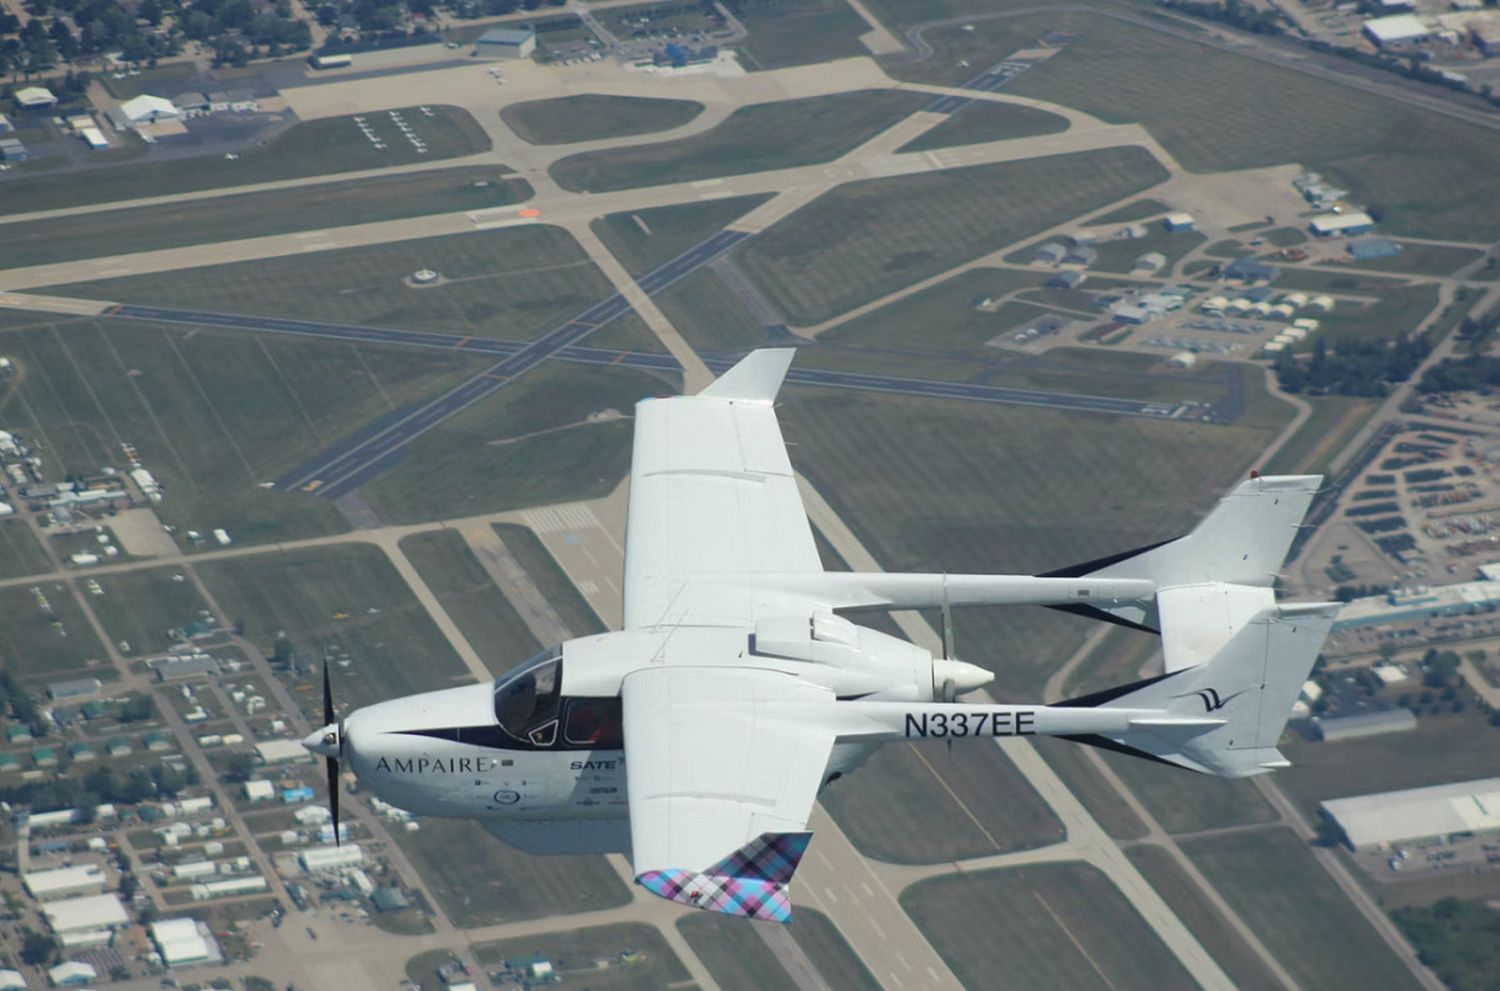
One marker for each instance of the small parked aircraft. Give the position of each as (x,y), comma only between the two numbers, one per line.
(697,737)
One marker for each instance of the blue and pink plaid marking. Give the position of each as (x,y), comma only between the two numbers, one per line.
(750,882)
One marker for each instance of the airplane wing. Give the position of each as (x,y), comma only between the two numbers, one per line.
(712,494)
(722,768)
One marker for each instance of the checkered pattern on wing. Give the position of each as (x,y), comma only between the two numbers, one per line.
(746,897)
(769,857)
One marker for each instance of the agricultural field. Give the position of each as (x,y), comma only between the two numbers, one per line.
(926,804)
(334,204)
(471,598)
(757,138)
(989,489)
(138,608)
(1065,925)
(536,442)
(494,882)
(1272,880)
(569,604)
(983,121)
(594,117)
(310,148)
(797,32)
(1203,919)
(644,239)
(213,414)
(573,954)
(869,238)
(20,553)
(516,284)
(1442,749)
(1424,171)
(46,637)
(342,595)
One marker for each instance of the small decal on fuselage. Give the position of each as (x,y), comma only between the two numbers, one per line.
(937,725)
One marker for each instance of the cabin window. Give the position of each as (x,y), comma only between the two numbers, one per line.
(595,723)
(529,698)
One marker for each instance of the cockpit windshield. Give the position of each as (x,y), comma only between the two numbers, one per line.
(527,699)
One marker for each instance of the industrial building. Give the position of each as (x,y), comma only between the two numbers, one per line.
(65,882)
(1176,222)
(35,98)
(12,150)
(325,858)
(512,43)
(1419,605)
(191,104)
(74,690)
(1396,31)
(90,916)
(1151,261)
(1335,728)
(1070,279)
(148,109)
(72,973)
(1349,224)
(1417,813)
(1373,248)
(1249,270)
(183,941)
(1485,32)
(281,752)
(1051,253)
(12,980)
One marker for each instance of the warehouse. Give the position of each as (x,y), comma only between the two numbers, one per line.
(1418,813)
(281,752)
(78,915)
(1331,224)
(182,941)
(148,109)
(1393,32)
(1336,728)
(35,98)
(331,857)
(1417,605)
(506,43)
(1373,248)
(64,882)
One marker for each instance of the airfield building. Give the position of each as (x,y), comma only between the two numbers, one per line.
(1396,31)
(35,98)
(1336,728)
(1348,224)
(1176,222)
(65,882)
(147,109)
(512,43)
(1417,813)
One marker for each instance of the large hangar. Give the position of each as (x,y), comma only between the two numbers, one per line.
(1417,813)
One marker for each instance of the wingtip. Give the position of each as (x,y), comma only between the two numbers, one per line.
(757,377)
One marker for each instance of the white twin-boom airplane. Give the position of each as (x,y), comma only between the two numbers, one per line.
(697,737)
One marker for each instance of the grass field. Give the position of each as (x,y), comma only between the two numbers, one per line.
(1102,800)
(45,636)
(1422,259)
(1423,170)
(1334,419)
(569,604)
(644,239)
(509,451)
(983,121)
(796,32)
(709,315)
(344,594)
(594,116)
(514,283)
(1064,926)
(942,317)
(1399,311)
(573,955)
(139,607)
(1138,210)
(990,489)
(1184,802)
(311,148)
(926,804)
(757,138)
(20,553)
(1441,749)
(494,883)
(1203,919)
(334,204)
(866,239)
(1272,880)
(213,414)
(487,619)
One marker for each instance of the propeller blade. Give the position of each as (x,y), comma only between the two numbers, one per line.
(331,764)
(327,696)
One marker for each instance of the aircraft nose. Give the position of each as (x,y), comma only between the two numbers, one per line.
(965,677)
(323,742)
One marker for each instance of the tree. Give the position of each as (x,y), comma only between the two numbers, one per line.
(1388,649)
(138,709)
(241,765)
(36,949)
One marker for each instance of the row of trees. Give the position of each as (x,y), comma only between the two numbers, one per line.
(1353,367)
(103,784)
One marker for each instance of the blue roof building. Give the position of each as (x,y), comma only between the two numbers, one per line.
(1371,248)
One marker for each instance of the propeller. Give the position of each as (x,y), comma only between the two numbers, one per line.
(331,764)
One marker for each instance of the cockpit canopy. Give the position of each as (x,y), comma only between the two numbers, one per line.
(530,707)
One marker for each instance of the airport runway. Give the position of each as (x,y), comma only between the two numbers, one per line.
(356,460)
(987,81)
